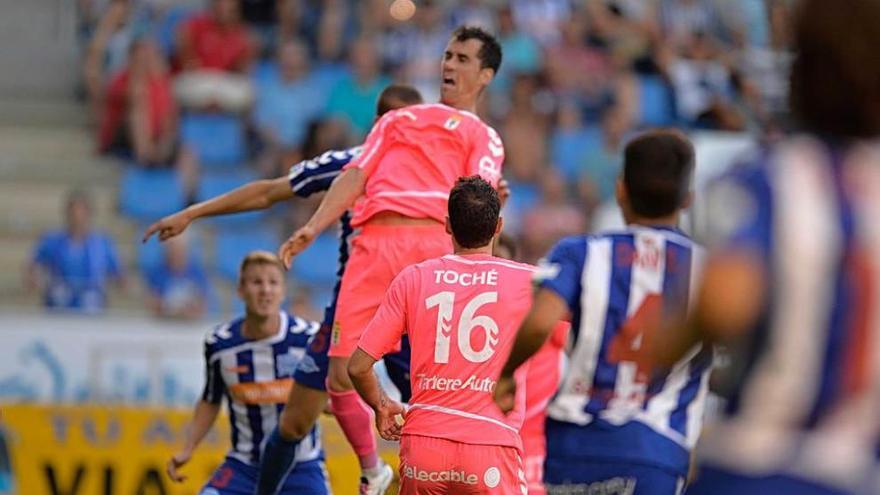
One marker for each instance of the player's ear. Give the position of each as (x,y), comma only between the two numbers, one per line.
(499,226)
(688,200)
(620,194)
(448,226)
(486,76)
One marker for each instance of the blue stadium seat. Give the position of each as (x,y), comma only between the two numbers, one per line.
(217,139)
(233,244)
(146,195)
(656,102)
(317,265)
(215,183)
(150,253)
(523,195)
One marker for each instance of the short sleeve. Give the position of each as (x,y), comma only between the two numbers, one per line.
(389,323)
(316,175)
(214,386)
(371,154)
(561,271)
(487,155)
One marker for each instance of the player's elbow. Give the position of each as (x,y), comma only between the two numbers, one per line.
(359,366)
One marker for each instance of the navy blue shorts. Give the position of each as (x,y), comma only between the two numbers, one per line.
(234,477)
(576,477)
(719,481)
(313,367)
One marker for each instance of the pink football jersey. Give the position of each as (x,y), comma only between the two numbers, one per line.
(413,156)
(462,314)
(542,381)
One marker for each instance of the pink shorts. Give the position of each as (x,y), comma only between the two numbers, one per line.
(534,453)
(378,254)
(437,466)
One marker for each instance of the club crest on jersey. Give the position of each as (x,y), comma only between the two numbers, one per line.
(452,122)
(334,336)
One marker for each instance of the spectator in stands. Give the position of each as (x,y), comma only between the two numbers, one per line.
(600,166)
(354,98)
(551,219)
(107,49)
(680,20)
(139,118)
(524,130)
(703,86)
(178,286)
(73,265)
(540,19)
(286,103)
(215,53)
(271,20)
(423,41)
(521,52)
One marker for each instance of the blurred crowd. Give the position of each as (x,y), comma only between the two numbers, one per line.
(245,88)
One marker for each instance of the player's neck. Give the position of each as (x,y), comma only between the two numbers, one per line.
(463,104)
(256,327)
(463,251)
(667,221)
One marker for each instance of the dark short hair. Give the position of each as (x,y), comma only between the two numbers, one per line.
(657,167)
(474,207)
(397,93)
(490,51)
(835,77)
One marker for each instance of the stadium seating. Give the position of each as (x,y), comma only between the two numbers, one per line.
(317,265)
(233,244)
(146,195)
(217,139)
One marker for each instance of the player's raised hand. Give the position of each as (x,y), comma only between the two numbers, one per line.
(505,393)
(296,243)
(389,417)
(169,226)
(175,463)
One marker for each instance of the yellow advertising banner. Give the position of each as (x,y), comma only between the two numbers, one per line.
(94,450)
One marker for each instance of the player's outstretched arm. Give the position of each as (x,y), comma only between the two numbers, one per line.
(360,369)
(340,197)
(547,310)
(256,195)
(203,418)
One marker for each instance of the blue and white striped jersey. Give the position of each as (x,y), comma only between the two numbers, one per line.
(255,377)
(616,284)
(804,388)
(316,175)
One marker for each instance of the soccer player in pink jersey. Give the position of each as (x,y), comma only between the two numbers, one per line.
(461,312)
(401,181)
(542,380)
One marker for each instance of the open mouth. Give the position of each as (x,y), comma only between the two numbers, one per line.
(448,81)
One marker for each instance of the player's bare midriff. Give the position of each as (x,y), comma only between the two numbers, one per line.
(394,218)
